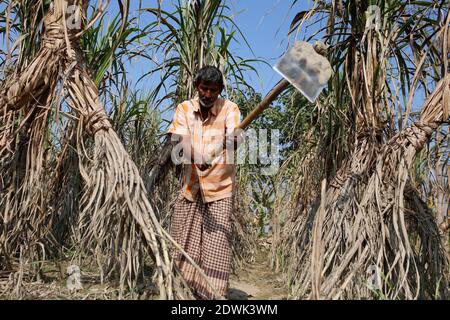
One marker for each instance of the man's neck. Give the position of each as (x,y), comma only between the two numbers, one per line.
(204,111)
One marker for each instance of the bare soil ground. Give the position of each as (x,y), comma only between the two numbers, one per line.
(257,281)
(254,281)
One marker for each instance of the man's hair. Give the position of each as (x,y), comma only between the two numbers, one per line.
(209,74)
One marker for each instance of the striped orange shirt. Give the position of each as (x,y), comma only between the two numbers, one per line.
(216,182)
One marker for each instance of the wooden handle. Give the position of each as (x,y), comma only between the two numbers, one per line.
(272,95)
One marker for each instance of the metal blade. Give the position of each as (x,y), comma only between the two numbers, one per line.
(305,69)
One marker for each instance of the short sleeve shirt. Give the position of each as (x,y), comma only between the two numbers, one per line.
(216,182)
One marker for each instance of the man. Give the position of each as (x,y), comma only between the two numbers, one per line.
(201,224)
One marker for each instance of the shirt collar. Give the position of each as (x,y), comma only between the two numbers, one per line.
(214,110)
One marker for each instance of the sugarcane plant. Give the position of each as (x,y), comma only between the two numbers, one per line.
(75,138)
(362,229)
(46,78)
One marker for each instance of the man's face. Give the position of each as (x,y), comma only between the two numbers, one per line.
(208,92)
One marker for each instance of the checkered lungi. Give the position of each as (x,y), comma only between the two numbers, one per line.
(204,231)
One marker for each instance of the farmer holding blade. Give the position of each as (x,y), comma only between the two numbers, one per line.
(201,223)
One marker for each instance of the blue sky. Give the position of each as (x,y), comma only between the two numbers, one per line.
(264,23)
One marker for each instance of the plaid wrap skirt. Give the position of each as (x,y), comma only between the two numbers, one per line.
(204,231)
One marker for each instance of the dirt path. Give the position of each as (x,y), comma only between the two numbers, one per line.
(256,281)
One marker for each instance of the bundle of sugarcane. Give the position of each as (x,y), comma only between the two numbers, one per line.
(375,237)
(116,225)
